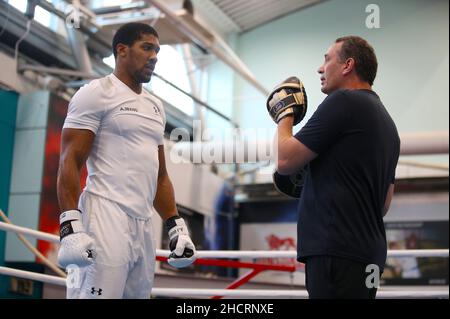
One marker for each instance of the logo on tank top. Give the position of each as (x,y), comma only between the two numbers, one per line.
(128,109)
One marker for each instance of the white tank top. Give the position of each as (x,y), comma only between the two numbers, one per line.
(123,163)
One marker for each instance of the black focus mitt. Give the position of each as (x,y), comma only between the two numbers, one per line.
(288,99)
(290,185)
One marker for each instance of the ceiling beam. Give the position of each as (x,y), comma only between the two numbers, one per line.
(216,45)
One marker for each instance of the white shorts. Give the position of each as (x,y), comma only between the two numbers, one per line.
(124,264)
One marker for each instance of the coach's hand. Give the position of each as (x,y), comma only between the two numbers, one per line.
(288,99)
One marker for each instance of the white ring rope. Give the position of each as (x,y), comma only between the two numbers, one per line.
(33,249)
(33,276)
(234,253)
(33,233)
(179,292)
(293,253)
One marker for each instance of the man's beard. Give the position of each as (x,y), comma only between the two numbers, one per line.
(140,77)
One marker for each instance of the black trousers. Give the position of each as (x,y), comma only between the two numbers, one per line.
(330,277)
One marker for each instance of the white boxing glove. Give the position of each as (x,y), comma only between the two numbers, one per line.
(77,247)
(182,249)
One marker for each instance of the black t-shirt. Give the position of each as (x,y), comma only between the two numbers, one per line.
(341,206)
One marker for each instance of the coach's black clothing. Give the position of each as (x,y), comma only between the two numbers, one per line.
(330,277)
(341,205)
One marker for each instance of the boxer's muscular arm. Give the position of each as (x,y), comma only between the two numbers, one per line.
(77,247)
(164,202)
(182,248)
(76,145)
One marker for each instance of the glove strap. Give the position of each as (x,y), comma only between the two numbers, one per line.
(283,103)
(68,215)
(287,112)
(70,222)
(175,226)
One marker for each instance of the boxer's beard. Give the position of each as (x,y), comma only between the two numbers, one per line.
(142,76)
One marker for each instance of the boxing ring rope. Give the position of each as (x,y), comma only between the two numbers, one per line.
(229,292)
(36,252)
(181,292)
(288,294)
(31,232)
(293,254)
(233,254)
